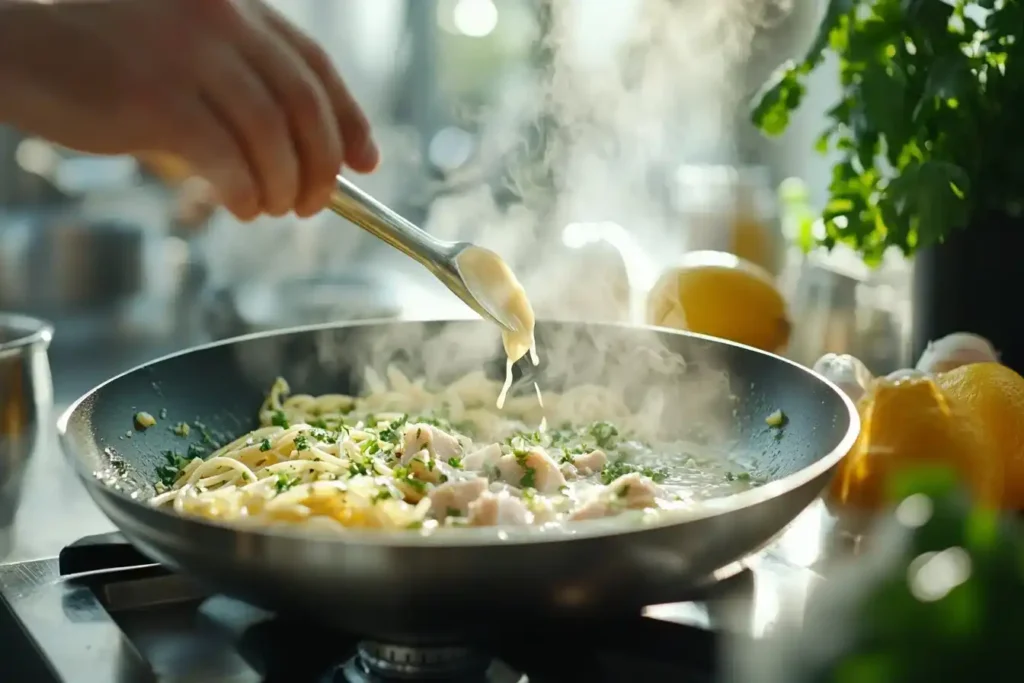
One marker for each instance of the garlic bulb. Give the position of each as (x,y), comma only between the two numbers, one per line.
(846,372)
(954,350)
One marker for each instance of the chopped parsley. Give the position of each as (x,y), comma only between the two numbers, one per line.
(324,436)
(455,461)
(206,436)
(402,474)
(279,419)
(301,443)
(284,482)
(605,435)
(195,451)
(529,478)
(382,494)
(614,470)
(392,433)
(169,471)
(265,445)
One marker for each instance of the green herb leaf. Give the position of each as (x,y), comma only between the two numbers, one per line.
(284,482)
(170,470)
(614,470)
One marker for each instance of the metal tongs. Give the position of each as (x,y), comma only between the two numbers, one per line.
(438,256)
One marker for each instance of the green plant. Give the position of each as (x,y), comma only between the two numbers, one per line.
(928,124)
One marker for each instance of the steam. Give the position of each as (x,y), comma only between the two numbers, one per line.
(629,91)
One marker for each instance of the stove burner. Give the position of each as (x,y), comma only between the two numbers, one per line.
(380,663)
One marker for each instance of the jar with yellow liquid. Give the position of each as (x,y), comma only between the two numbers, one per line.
(723,283)
(732,209)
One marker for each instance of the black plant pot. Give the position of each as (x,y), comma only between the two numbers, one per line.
(972,283)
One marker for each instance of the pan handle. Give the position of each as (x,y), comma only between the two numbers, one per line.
(99,552)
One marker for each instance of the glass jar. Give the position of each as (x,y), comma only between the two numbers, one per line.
(731,209)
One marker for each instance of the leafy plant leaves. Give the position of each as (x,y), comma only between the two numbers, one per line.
(927,124)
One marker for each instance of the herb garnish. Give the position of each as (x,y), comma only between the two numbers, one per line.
(403,474)
(614,470)
(284,482)
(529,478)
(170,470)
(605,435)
(279,419)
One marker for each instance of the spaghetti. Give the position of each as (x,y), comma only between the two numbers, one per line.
(404,457)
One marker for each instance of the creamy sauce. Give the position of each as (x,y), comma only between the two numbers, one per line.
(495,286)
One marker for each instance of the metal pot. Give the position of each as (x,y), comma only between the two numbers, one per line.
(57,263)
(26,400)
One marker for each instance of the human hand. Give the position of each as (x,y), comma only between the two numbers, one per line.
(229,87)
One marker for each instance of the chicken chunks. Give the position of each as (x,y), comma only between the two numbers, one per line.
(631,491)
(453,498)
(498,509)
(533,469)
(419,437)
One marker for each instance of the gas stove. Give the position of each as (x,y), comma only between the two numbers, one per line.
(102,612)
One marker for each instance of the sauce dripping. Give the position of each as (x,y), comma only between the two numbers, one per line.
(495,286)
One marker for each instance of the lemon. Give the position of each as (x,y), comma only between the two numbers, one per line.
(993,395)
(721,295)
(909,421)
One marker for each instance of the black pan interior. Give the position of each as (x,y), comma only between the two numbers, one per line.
(218,389)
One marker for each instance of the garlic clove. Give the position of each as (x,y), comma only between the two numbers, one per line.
(954,350)
(845,371)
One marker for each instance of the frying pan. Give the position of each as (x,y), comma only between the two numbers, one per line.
(407,587)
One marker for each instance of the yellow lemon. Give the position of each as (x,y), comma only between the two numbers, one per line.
(721,295)
(993,394)
(910,422)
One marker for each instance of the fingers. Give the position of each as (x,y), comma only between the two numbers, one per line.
(309,113)
(361,152)
(260,127)
(206,141)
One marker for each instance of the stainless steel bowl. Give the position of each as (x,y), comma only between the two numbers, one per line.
(26,401)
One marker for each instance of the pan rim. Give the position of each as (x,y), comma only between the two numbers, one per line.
(478,536)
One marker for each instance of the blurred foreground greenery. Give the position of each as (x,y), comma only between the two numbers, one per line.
(939,597)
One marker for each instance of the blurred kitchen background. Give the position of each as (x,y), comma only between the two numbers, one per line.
(588,142)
